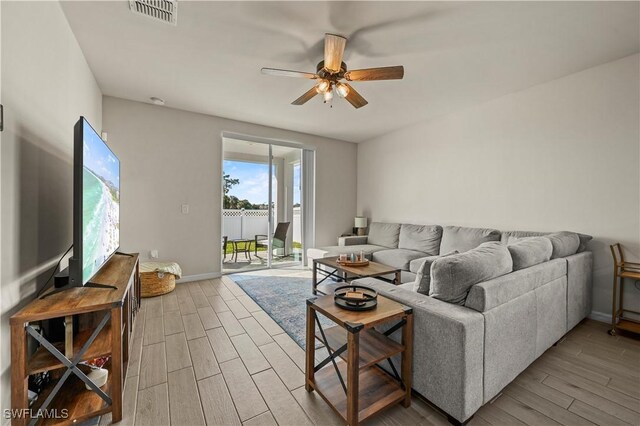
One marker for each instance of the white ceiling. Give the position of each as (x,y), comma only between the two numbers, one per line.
(455,54)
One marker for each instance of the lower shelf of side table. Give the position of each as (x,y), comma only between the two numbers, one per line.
(631,326)
(374,346)
(377,390)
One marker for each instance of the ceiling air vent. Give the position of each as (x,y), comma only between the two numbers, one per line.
(162,10)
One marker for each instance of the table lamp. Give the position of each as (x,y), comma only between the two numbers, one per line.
(361,225)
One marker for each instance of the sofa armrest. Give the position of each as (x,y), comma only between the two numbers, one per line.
(447,351)
(352,240)
(489,294)
(579,287)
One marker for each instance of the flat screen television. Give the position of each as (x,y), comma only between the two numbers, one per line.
(96,204)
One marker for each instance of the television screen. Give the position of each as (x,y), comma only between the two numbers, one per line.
(100,186)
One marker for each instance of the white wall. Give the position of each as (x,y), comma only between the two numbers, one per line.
(46,86)
(170,157)
(564,155)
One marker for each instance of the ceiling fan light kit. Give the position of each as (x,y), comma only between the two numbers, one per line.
(323,86)
(331,70)
(342,89)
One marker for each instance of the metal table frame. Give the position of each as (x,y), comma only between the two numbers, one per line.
(246,249)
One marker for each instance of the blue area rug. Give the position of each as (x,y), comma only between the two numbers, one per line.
(284,300)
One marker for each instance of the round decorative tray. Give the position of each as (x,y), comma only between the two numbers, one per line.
(363,262)
(355,297)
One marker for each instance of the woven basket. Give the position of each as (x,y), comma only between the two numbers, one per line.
(156,283)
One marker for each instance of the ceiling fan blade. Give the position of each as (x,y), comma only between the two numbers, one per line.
(288,73)
(304,98)
(333,52)
(354,97)
(382,73)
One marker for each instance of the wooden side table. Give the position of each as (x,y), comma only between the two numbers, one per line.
(350,379)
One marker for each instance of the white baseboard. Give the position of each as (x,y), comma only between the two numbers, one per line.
(199,277)
(600,316)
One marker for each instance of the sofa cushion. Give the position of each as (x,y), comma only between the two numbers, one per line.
(424,238)
(453,276)
(510,236)
(416,264)
(422,282)
(564,244)
(398,258)
(462,238)
(384,234)
(584,239)
(530,251)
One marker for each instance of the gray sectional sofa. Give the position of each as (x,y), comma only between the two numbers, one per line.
(490,310)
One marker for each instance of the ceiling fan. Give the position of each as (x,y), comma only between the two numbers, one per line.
(332,70)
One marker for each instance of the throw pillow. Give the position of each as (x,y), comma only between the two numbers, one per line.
(511,236)
(564,244)
(423,276)
(453,276)
(530,251)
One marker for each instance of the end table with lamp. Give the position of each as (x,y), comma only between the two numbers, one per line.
(360,225)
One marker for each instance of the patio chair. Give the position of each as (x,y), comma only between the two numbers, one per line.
(278,240)
(225,241)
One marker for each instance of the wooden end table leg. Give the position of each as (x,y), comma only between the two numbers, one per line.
(353,343)
(19,378)
(116,364)
(314,278)
(407,358)
(310,351)
(397,279)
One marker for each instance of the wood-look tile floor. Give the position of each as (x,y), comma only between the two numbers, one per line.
(208,354)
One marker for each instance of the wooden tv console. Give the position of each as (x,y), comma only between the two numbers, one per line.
(105,321)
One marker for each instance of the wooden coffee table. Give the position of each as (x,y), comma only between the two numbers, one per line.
(349,273)
(349,379)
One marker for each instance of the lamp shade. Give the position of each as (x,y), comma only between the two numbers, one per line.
(360,222)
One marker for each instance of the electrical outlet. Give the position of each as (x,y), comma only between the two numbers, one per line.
(154,254)
(185,209)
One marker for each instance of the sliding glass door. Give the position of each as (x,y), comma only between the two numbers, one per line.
(263,212)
